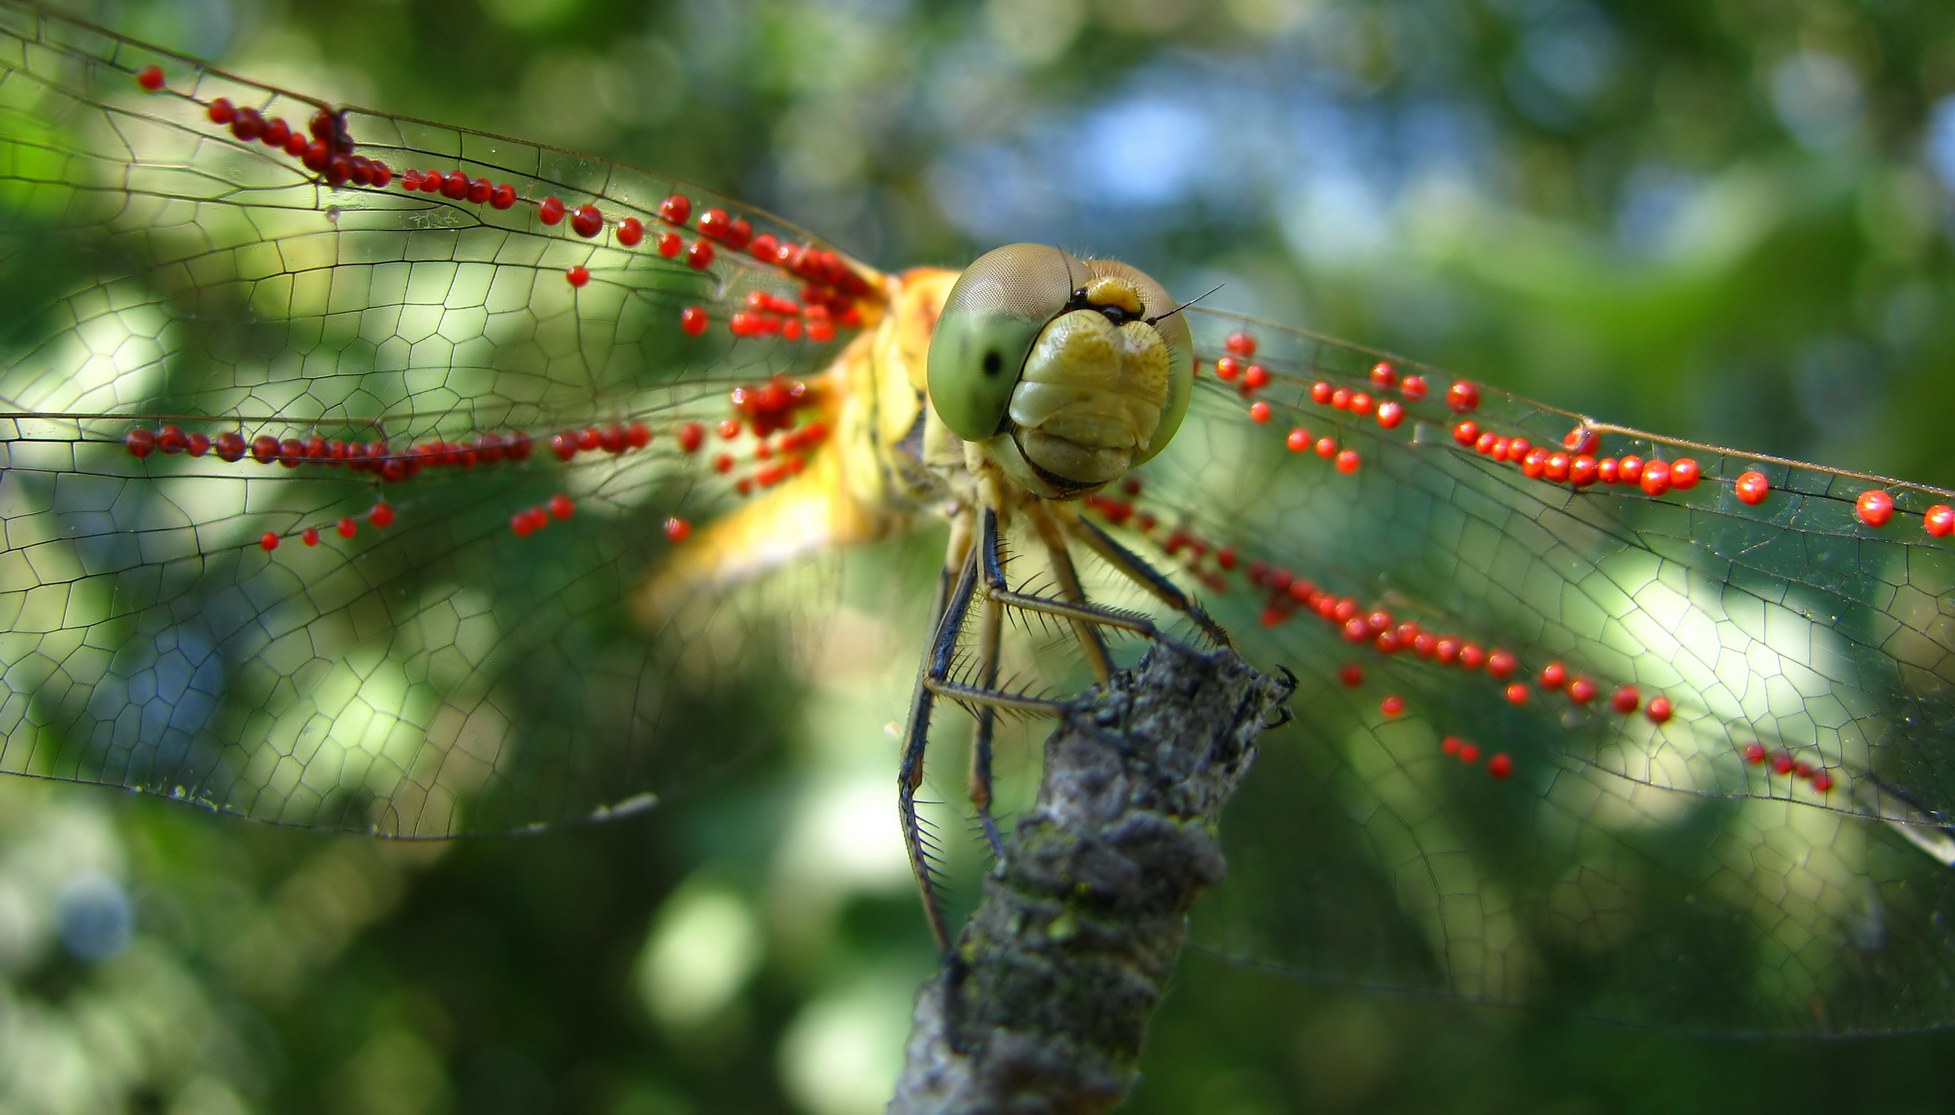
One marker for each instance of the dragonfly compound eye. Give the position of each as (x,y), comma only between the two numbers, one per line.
(1055,366)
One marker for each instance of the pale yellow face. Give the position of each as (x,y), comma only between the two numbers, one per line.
(1067,372)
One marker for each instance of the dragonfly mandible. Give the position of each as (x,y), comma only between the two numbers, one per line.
(369,474)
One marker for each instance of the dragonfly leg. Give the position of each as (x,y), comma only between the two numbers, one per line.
(991,618)
(1137,569)
(1086,620)
(990,625)
(1090,639)
(980,566)
(952,604)
(1072,604)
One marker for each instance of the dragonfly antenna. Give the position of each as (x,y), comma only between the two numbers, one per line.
(1197,298)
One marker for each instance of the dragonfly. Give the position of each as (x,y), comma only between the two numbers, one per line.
(367,474)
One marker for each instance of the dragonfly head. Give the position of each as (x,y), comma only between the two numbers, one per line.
(1068,372)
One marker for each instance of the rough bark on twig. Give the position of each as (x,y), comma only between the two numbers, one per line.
(1045,1002)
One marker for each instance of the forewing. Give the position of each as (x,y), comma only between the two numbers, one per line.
(467,424)
(1655,755)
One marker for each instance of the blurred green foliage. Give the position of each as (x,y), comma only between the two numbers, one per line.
(1725,220)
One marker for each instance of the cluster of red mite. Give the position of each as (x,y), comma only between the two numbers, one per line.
(828,301)
(828,298)
(1375,627)
(768,411)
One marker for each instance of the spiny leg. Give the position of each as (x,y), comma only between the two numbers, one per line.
(1067,574)
(1084,617)
(1086,628)
(980,562)
(1074,607)
(947,615)
(1053,529)
(991,619)
(950,611)
(977,561)
(990,628)
(1137,569)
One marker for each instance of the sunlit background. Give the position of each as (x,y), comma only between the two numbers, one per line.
(1726,220)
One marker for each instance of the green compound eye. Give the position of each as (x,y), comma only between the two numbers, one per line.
(993,317)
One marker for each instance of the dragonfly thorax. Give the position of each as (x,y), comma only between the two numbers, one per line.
(1054,369)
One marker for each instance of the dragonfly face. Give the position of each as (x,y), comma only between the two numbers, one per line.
(1066,373)
(322,493)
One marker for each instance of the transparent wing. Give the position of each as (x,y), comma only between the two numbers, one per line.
(1656,753)
(336,446)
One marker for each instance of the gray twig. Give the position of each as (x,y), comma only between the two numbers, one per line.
(1044,1004)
